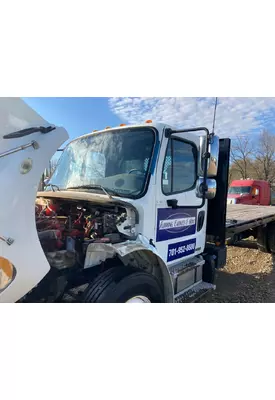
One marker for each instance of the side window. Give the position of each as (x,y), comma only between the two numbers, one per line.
(179,170)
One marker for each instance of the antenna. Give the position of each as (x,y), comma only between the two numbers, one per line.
(214,118)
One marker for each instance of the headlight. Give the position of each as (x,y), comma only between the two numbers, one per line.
(7,273)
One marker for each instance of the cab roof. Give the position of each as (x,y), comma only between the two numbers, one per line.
(158,125)
(247,182)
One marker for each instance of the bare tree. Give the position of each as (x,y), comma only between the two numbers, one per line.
(52,165)
(241,154)
(265,157)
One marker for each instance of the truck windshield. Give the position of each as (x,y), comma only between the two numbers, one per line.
(117,161)
(239,190)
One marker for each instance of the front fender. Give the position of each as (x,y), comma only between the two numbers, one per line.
(137,253)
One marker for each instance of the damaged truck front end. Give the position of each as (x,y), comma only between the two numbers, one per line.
(78,232)
(80,235)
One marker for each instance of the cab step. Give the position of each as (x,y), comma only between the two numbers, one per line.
(193,294)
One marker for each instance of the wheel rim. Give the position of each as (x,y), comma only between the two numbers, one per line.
(138,299)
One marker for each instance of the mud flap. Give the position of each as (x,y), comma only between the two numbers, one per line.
(262,239)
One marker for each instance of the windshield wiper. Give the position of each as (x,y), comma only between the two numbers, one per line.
(52,186)
(106,191)
(29,131)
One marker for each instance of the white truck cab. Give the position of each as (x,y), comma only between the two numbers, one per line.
(131,213)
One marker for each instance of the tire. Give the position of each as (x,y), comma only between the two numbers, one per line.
(120,284)
(209,270)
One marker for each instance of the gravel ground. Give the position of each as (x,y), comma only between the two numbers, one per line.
(247,278)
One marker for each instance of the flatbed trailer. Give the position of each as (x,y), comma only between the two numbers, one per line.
(243,221)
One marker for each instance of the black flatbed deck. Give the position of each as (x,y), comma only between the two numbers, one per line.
(241,217)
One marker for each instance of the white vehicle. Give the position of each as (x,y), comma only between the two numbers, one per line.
(131,214)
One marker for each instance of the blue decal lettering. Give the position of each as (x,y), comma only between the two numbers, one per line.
(181,249)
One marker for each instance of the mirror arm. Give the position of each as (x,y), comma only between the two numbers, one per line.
(206,156)
(169,132)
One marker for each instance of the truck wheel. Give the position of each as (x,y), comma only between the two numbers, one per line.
(123,285)
(209,270)
(233,240)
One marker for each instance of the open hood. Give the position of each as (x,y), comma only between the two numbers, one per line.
(27,143)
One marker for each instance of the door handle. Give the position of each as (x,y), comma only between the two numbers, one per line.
(200,223)
(172,203)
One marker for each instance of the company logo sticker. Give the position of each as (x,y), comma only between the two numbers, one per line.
(171,224)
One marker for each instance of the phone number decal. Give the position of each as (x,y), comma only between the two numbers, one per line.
(181,249)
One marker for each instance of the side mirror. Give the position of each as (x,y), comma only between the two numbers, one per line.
(211,188)
(257,192)
(212,169)
(214,157)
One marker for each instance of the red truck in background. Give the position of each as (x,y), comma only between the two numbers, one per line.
(250,191)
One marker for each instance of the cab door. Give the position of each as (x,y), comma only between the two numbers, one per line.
(255,193)
(180,227)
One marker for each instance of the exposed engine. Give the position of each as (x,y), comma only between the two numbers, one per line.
(66,228)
